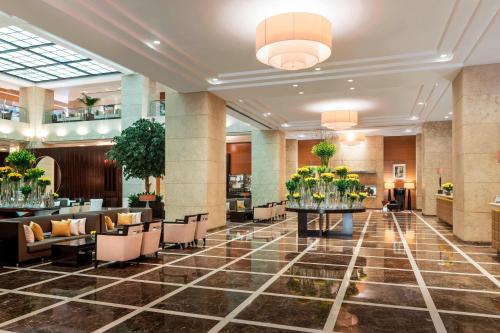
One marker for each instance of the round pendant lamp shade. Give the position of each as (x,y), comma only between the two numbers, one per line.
(293,41)
(339,120)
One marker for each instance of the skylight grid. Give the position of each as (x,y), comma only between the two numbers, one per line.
(7,65)
(26,58)
(6,47)
(32,75)
(62,71)
(20,37)
(93,67)
(58,53)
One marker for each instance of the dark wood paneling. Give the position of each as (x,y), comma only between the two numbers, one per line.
(241,158)
(305,156)
(86,173)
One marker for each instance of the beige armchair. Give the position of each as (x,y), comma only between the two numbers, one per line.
(180,231)
(121,246)
(201,228)
(263,213)
(151,237)
(280,212)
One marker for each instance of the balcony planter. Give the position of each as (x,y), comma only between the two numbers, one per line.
(147,197)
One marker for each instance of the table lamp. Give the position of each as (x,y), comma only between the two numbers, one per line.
(409,187)
(389,187)
(440,171)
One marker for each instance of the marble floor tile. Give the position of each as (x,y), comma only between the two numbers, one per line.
(115,270)
(244,328)
(287,311)
(174,274)
(204,262)
(262,266)
(383,275)
(458,281)
(132,293)
(69,286)
(385,294)
(320,271)
(235,280)
(464,323)
(148,321)
(69,317)
(23,278)
(16,305)
(227,252)
(301,286)
(203,301)
(465,301)
(273,255)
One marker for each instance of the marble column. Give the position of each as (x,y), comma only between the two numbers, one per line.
(476,141)
(418,159)
(36,101)
(292,157)
(268,166)
(436,153)
(195,153)
(137,92)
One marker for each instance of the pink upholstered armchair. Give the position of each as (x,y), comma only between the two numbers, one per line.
(280,212)
(180,231)
(121,246)
(201,228)
(151,237)
(263,213)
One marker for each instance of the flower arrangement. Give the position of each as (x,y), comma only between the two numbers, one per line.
(20,160)
(362,196)
(342,171)
(327,177)
(26,191)
(43,182)
(14,177)
(318,198)
(295,177)
(447,187)
(4,171)
(296,196)
(55,195)
(324,150)
(34,173)
(305,171)
(352,197)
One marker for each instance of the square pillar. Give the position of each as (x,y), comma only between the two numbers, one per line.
(436,153)
(268,166)
(292,157)
(36,101)
(195,153)
(476,140)
(418,158)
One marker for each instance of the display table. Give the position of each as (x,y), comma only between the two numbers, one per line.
(304,231)
(444,208)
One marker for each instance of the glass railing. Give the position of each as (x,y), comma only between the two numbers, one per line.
(99,112)
(13,113)
(156,108)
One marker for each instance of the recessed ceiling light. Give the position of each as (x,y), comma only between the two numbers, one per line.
(446,117)
(285,125)
(450,112)
(444,55)
(350,80)
(301,93)
(295,85)
(267,114)
(317,69)
(352,88)
(414,118)
(421,103)
(240,100)
(408,130)
(156,42)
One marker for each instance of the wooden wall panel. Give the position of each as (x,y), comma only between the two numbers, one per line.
(305,156)
(241,158)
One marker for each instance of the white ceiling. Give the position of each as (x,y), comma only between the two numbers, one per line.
(390,48)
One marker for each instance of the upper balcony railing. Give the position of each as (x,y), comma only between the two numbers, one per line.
(13,113)
(157,108)
(99,112)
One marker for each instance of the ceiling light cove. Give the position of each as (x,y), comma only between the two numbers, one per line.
(293,41)
(267,114)
(214,81)
(341,104)
(285,125)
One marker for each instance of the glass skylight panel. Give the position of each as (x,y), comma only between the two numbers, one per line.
(26,58)
(6,47)
(20,37)
(6,65)
(93,67)
(32,75)
(62,71)
(58,53)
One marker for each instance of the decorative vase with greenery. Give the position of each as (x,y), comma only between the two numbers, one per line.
(20,161)
(42,183)
(324,150)
(26,191)
(448,188)
(140,151)
(89,103)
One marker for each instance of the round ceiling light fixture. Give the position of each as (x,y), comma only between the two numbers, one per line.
(293,41)
(352,139)
(339,120)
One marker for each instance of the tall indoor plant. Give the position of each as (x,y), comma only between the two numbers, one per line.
(140,151)
(89,103)
(324,150)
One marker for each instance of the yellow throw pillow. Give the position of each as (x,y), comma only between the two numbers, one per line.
(37,231)
(124,219)
(109,223)
(240,205)
(61,228)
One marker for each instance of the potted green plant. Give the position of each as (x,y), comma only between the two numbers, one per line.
(140,151)
(448,188)
(89,103)
(324,150)
(20,160)
(26,191)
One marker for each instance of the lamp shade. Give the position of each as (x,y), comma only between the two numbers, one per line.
(352,139)
(293,41)
(409,186)
(339,120)
(388,186)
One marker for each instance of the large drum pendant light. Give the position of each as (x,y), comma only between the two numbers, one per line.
(339,120)
(294,41)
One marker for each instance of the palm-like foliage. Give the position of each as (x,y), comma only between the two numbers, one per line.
(88,101)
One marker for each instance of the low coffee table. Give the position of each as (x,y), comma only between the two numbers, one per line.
(76,252)
(241,215)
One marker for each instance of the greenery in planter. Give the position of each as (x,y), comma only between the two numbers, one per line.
(133,199)
(88,101)
(140,151)
(20,160)
(26,191)
(324,150)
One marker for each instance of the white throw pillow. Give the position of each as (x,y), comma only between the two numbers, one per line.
(81,226)
(136,217)
(73,227)
(28,233)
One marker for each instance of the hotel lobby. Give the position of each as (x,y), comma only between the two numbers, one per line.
(250,166)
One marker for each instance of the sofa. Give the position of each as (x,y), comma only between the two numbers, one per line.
(112,213)
(16,248)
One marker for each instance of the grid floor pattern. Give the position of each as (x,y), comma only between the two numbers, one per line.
(397,273)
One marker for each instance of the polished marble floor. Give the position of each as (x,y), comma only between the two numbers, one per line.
(398,273)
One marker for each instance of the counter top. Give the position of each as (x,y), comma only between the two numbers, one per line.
(444,196)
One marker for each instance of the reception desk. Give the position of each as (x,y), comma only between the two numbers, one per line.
(495,226)
(444,208)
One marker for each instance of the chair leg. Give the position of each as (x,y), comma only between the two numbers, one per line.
(156,254)
(96,264)
(182,246)
(196,242)
(204,241)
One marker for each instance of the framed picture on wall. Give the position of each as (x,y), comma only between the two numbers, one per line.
(399,171)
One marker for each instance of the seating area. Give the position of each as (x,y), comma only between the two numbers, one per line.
(186,232)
